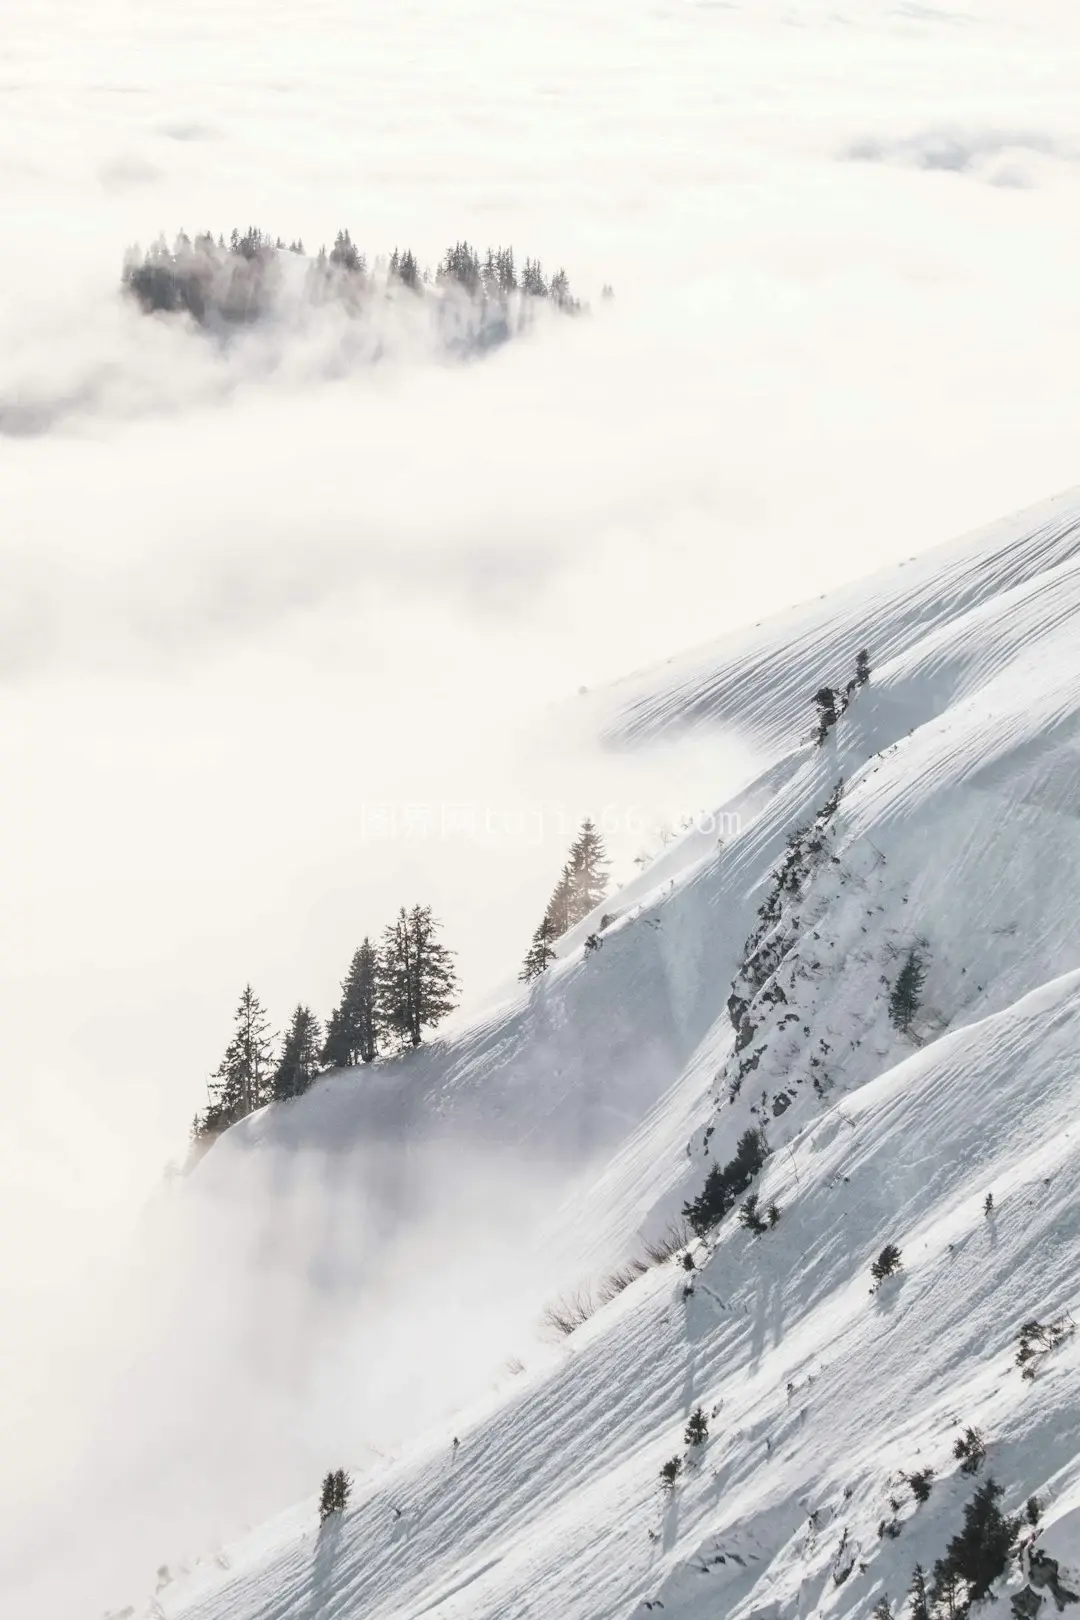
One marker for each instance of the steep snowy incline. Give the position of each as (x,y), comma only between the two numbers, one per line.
(745,983)
(822,1395)
(761,679)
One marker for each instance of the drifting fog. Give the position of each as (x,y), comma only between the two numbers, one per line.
(249,591)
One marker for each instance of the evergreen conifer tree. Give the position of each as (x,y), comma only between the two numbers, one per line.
(352,1030)
(558,911)
(907,993)
(918,1596)
(979,1554)
(403,268)
(336,1051)
(336,1489)
(241,1082)
(697,1427)
(416,983)
(540,952)
(887,1264)
(299,1060)
(827,699)
(948,1598)
(345,254)
(533,284)
(588,879)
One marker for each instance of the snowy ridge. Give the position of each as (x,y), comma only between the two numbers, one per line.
(760,679)
(957,828)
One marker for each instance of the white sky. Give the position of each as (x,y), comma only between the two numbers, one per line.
(242,597)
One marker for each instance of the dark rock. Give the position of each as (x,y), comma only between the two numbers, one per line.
(1043,1572)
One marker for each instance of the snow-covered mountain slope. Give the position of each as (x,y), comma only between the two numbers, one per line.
(745,981)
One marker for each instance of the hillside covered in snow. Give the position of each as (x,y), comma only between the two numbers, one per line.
(742,982)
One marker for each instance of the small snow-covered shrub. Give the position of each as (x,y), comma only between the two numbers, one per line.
(569,1312)
(970,1450)
(674,1237)
(750,1218)
(613,1284)
(1037,1339)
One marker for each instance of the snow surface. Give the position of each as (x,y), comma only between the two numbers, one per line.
(958,830)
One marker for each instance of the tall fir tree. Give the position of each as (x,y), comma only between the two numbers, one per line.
(906,994)
(540,952)
(352,1032)
(582,883)
(558,912)
(918,1596)
(587,868)
(979,1553)
(241,1082)
(299,1061)
(416,982)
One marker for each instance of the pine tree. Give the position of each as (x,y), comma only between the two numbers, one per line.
(588,879)
(887,1263)
(299,1060)
(907,993)
(862,668)
(403,268)
(416,983)
(345,254)
(504,264)
(461,264)
(241,1082)
(336,1489)
(948,1599)
(826,698)
(979,1554)
(352,1030)
(918,1596)
(540,953)
(558,914)
(582,882)
(750,1218)
(533,284)
(697,1427)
